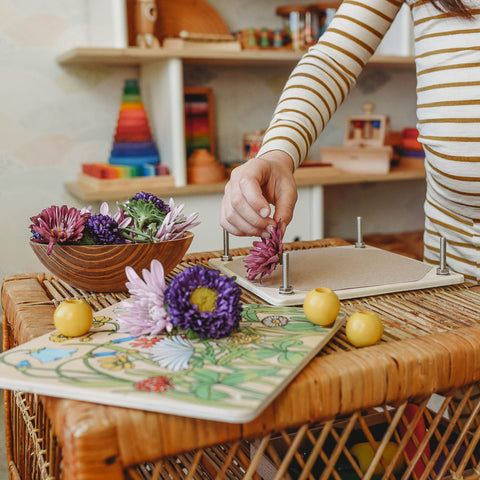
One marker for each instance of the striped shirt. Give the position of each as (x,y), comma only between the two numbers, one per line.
(447,56)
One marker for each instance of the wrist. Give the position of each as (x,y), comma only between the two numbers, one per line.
(279,158)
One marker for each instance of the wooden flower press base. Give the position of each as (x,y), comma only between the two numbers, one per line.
(351,272)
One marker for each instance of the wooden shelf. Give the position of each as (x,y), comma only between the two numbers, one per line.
(140,56)
(316,176)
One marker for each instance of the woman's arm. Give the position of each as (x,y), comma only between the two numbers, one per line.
(315,89)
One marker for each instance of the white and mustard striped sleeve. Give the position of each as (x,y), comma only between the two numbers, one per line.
(325,74)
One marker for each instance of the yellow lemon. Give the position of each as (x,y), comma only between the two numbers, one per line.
(73,317)
(321,306)
(364,328)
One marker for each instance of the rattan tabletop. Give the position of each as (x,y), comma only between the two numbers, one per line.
(431,344)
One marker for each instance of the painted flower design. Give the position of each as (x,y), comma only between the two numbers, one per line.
(46,355)
(57,337)
(145,342)
(144,313)
(117,362)
(158,384)
(243,338)
(58,225)
(275,321)
(266,255)
(23,365)
(173,353)
(100,321)
(202,300)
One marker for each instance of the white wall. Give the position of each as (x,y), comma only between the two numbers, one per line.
(53,119)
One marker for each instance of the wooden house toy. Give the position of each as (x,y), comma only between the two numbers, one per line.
(365,147)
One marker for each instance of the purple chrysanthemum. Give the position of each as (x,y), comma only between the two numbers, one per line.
(266,255)
(59,224)
(149,197)
(205,302)
(144,313)
(104,230)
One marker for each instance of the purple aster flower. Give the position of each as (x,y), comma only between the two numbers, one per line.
(175,223)
(119,217)
(59,224)
(149,197)
(104,230)
(205,302)
(144,313)
(267,254)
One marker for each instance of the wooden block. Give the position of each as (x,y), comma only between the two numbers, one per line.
(140,183)
(189,44)
(302,173)
(361,160)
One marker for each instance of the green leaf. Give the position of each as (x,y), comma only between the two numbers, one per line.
(205,392)
(248,376)
(206,376)
(300,319)
(263,353)
(290,358)
(301,327)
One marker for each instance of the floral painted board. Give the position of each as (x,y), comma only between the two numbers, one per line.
(230,380)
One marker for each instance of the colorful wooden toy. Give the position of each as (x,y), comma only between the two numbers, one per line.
(133,143)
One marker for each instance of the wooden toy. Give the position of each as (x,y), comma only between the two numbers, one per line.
(199,120)
(365,146)
(204,168)
(146,14)
(133,143)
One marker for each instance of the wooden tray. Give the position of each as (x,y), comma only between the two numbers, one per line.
(136,183)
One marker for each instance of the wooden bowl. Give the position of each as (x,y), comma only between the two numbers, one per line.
(101,268)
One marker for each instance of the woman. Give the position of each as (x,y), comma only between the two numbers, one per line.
(447,45)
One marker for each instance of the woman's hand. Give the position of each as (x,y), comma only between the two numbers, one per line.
(253,187)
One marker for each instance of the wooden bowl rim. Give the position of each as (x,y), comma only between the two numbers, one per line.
(187,235)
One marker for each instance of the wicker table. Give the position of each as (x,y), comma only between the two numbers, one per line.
(416,388)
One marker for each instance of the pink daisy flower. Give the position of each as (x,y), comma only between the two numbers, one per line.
(58,225)
(266,255)
(144,313)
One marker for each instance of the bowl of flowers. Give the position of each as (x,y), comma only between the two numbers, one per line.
(92,250)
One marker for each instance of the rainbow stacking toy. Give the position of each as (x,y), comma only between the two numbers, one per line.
(133,143)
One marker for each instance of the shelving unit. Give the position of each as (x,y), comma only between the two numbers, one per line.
(161,83)
(140,56)
(308,177)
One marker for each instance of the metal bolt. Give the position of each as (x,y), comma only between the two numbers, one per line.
(226,257)
(360,243)
(443,269)
(285,289)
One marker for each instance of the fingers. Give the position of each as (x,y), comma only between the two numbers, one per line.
(245,212)
(252,188)
(285,206)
